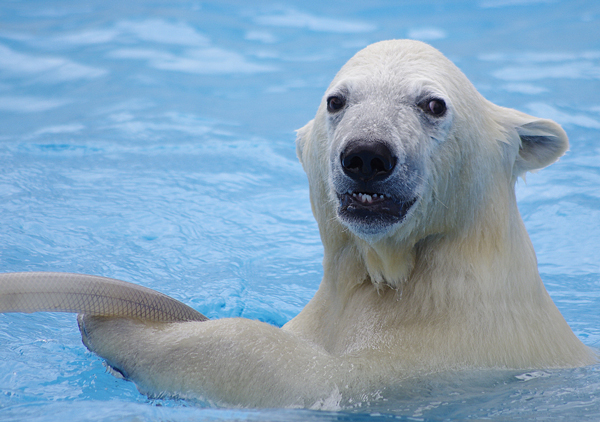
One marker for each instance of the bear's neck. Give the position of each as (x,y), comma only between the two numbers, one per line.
(490,253)
(472,289)
(493,258)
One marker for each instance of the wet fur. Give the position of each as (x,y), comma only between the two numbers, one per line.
(453,285)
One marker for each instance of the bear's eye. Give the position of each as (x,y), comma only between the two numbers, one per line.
(335,103)
(434,106)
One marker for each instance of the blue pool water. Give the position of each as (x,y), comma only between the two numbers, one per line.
(153,142)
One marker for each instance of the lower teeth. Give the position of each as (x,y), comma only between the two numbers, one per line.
(367,198)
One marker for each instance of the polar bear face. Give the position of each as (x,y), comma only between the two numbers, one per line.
(404,146)
(380,134)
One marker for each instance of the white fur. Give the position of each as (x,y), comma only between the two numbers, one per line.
(453,285)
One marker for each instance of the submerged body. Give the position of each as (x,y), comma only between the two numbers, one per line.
(427,265)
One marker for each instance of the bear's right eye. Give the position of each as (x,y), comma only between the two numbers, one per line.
(434,106)
(335,103)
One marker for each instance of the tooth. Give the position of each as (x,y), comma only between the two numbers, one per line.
(374,196)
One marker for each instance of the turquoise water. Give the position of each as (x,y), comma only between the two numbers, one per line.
(153,142)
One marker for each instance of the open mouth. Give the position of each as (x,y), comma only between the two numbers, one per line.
(373,207)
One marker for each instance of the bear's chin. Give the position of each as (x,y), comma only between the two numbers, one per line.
(372,216)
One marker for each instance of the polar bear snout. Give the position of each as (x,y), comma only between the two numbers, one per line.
(367,162)
(375,187)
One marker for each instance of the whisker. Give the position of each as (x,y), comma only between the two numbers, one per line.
(435,196)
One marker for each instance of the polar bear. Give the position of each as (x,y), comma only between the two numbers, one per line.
(427,263)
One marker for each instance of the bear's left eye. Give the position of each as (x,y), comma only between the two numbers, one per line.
(434,106)
(335,103)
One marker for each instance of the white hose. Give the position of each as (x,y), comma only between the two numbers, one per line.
(89,295)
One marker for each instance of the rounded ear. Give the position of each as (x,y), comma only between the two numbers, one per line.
(541,142)
(302,135)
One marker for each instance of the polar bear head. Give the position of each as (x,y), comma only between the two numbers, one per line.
(403,147)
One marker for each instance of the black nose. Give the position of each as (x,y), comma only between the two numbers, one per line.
(367,162)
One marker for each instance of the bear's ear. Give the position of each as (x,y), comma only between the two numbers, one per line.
(302,135)
(541,142)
